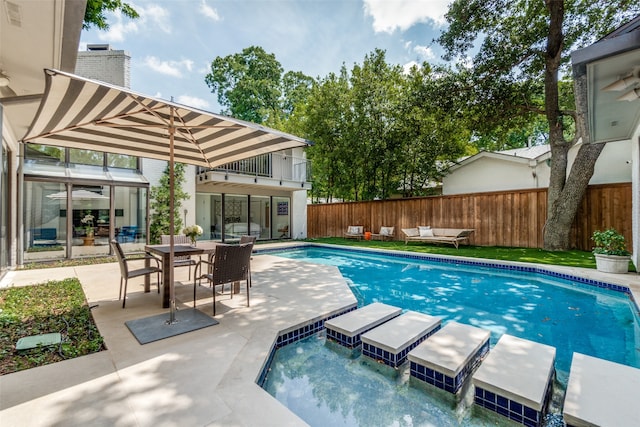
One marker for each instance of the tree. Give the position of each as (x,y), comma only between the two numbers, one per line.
(159,196)
(94,13)
(376,130)
(247,83)
(522,50)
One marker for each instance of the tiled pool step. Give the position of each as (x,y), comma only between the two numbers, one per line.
(515,380)
(347,328)
(392,341)
(601,393)
(448,357)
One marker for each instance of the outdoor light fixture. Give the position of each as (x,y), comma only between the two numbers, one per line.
(624,82)
(630,96)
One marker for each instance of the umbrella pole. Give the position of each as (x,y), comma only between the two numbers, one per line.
(172,295)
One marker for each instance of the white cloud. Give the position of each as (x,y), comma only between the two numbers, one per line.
(403,14)
(209,11)
(169,68)
(406,68)
(158,16)
(424,52)
(194,101)
(118,28)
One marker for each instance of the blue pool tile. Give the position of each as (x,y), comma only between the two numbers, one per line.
(515,407)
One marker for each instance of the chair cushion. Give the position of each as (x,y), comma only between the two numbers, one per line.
(425,231)
(354,229)
(386,231)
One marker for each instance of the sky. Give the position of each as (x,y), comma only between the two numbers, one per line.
(174,42)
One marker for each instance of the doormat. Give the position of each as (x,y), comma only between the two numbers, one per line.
(154,328)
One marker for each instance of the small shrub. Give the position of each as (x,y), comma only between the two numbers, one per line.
(609,242)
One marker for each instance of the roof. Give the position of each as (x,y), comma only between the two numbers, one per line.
(519,155)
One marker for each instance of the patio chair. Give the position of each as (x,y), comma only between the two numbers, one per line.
(230,264)
(180,260)
(248,239)
(127,273)
(354,232)
(386,233)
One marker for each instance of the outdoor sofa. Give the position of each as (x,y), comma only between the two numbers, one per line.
(453,236)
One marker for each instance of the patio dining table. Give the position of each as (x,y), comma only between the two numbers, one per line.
(163,251)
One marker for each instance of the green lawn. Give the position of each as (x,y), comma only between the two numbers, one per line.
(55,306)
(565,258)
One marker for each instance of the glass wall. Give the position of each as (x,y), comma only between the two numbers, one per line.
(130,217)
(90,220)
(281,217)
(209,215)
(45,225)
(260,216)
(229,216)
(4,209)
(236,217)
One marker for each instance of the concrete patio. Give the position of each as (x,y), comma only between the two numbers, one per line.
(201,378)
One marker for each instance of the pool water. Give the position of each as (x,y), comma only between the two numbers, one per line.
(324,386)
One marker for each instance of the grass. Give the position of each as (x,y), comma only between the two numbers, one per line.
(573,258)
(55,306)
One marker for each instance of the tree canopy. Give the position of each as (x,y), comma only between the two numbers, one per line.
(94,13)
(519,54)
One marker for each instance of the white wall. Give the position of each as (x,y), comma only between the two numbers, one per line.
(635,190)
(9,138)
(299,215)
(490,174)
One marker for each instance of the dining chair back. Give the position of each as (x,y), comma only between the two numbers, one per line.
(126,272)
(180,260)
(231,263)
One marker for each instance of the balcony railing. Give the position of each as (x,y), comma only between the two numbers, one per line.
(273,165)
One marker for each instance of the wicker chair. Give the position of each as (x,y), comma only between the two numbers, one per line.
(126,273)
(252,240)
(229,264)
(180,260)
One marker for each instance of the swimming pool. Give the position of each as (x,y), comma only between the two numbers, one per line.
(567,314)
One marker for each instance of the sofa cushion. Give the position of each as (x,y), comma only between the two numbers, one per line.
(355,229)
(386,231)
(411,232)
(425,231)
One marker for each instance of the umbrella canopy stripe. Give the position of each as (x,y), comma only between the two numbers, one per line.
(87,114)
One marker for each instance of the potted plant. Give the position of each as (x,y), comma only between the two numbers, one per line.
(610,251)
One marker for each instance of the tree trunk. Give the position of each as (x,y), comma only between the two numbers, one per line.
(565,192)
(562,209)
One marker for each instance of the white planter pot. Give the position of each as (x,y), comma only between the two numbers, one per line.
(612,263)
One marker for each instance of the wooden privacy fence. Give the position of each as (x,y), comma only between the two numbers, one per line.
(505,218)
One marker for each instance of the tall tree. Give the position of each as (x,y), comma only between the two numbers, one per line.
(247,83)
(325,119)
(522,49)
(160,211)
(94,13)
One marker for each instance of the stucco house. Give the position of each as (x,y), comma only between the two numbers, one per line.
(47,192)
(528,167)
(612,70)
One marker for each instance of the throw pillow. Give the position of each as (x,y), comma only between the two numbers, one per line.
(424,230)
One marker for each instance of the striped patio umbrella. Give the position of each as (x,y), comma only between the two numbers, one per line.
(77,112)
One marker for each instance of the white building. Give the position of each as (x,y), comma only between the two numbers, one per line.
(46,192)
(528,167)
